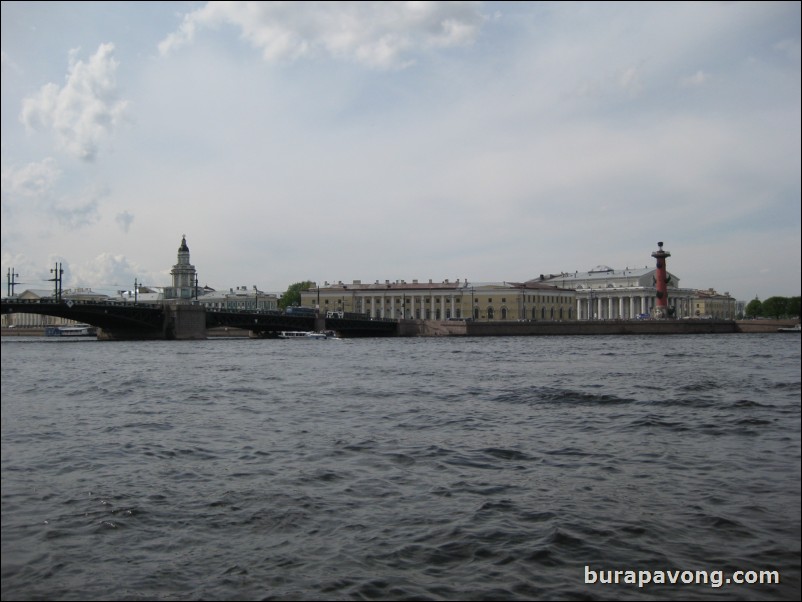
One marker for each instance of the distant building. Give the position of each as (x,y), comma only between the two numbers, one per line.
(143,294)
(444,300)
(710,304)
(239,299)
(604,293)
(184,275)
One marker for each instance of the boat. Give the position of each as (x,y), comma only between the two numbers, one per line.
(304,334)
(794,328)
(76,330)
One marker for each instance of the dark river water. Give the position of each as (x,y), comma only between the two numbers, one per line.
(520,468)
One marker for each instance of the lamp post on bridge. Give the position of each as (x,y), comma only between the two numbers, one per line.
(12,282)
(57,279)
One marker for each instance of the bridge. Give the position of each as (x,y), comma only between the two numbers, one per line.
(127,321)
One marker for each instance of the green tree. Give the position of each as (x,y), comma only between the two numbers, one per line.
(775,307)
(794,307)
(754,308)
(292,296)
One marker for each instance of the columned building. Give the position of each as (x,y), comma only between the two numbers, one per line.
(184,276)
(239,299)
(604,293)
(445,300)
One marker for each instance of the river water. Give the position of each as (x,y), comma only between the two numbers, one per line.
(519,468)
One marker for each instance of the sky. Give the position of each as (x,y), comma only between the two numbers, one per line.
(340,141)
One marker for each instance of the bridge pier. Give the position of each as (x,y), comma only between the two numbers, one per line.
(184,323)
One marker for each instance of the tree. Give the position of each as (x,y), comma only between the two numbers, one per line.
(293,294)
(754,308)
(775,307)
(794,306)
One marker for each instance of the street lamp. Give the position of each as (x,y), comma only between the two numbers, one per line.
(58,273)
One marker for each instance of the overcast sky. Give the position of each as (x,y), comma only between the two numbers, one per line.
(342,141)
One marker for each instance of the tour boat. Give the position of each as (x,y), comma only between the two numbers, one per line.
(77,330)
(302,334)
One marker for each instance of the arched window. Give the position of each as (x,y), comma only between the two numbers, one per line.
(503,313)
(489,313)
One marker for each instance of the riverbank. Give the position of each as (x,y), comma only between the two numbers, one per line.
(436,328)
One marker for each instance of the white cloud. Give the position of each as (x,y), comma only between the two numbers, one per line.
(31,181)
(36,188)
(85,111)
(106,269)
(382,35)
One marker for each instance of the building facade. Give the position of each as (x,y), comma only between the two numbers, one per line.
(238,299)
(444,300)
(604,293)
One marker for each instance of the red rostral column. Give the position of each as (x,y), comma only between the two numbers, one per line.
(661,281)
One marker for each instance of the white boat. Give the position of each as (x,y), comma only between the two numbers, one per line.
(794,328)
(77,330)
(303,334)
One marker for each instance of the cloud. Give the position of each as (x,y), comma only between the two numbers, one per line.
(381,35)
(124,220)
(33,181)
(697,79)
(34,187)
(7,64)
(109,270)
(85,111)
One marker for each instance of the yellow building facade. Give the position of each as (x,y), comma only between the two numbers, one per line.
(445,300)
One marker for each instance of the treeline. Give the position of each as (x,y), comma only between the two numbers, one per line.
(774,307)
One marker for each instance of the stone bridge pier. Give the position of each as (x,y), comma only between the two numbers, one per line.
(184,322)
(181,323)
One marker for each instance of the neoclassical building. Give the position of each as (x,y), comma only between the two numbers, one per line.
(444,300)
(604,293)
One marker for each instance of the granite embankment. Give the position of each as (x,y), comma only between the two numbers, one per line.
(436,328)
(426,328)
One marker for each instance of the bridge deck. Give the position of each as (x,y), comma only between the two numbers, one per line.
(138,320)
